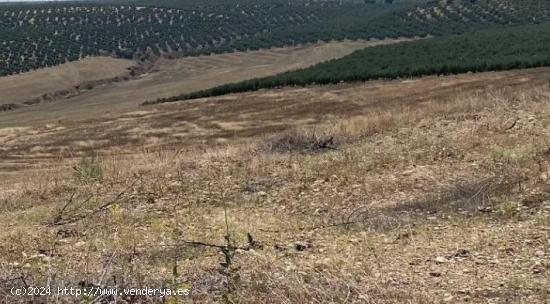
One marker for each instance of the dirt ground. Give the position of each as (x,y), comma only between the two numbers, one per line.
(430,190)
(433,190)
(234,118)
(169,78)
(30,85)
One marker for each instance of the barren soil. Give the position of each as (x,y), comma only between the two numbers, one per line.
(426,191)
(173,77)
(234,118)
(432,190)
(29,85)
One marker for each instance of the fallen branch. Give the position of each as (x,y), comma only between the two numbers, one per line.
(59,221)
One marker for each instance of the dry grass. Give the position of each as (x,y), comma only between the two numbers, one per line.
(299,141)
(166,78)
(347,112)
(30,85)
(443,201)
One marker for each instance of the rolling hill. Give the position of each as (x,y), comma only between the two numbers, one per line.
(374,169)
(505,48)
(41,35)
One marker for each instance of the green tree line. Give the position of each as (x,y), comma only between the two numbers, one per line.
(489,50)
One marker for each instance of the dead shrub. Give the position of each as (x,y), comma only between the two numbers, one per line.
(299,141)
(8,107)
(463,197)
(260,183)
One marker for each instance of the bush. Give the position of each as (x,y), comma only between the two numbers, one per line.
(88,170)
(302,142)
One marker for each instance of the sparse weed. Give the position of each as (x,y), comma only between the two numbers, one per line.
(301,142)
(88,170)
(508,208)
(372,213)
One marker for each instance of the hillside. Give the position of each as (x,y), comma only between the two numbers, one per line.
(43,84)
(430,191)
(40,35)
(328,151)
(504,48)
(164,78)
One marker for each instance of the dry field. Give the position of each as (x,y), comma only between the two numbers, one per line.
(233,118)
(30,85)
(173,77)
(433,190)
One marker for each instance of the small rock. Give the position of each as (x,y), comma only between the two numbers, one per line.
(80,244)
(509,124)
(407,172)
(539,254)
(441,260)
(320,210)
(354,241)
(485,209)
(479,261)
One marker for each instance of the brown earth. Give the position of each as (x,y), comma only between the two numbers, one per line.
(171,77)
(231,118)
(431,191)
(30,85)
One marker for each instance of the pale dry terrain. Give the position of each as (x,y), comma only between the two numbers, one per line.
(231,118)
(27,86)
(176,76)
(433,190)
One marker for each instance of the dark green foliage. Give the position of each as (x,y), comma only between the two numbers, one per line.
(46,34)
(489,50)
(40,35)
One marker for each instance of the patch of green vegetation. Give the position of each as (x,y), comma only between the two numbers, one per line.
(88,170)
(490,50)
